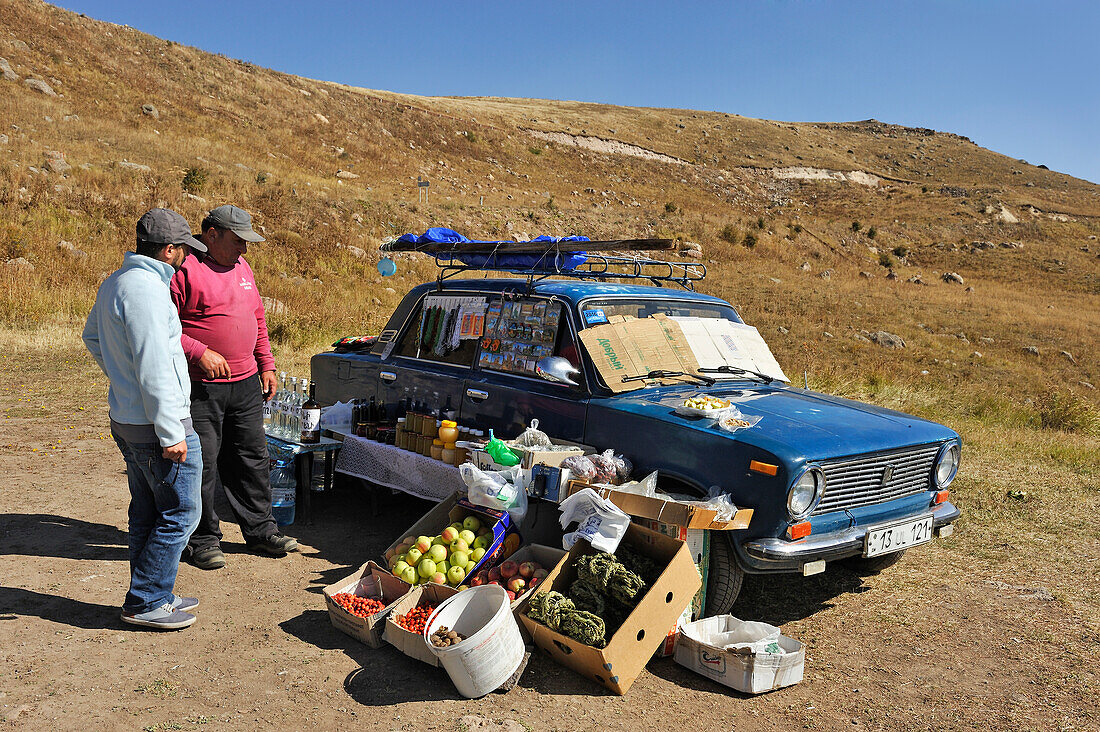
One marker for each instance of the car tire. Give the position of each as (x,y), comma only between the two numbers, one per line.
(873,565)
(724,576)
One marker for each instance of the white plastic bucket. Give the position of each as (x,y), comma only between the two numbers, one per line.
(493,648)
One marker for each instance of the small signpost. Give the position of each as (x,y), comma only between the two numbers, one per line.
(421,190)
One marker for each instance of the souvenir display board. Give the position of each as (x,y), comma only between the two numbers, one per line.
(518,333)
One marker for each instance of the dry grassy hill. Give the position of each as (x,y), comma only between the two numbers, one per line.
(801,224)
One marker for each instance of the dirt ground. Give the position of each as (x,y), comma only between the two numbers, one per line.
(938,641)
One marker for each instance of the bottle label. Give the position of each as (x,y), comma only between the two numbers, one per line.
(311,420)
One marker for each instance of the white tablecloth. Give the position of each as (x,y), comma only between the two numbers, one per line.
(398,469)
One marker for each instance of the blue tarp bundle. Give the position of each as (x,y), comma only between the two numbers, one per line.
(564,260)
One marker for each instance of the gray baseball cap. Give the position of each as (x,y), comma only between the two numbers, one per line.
(164,226)
(236,220)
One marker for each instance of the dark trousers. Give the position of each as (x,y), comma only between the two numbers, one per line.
(228,419)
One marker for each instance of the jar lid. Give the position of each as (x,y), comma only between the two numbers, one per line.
(449,423)
(448,445)
(437,441)
(400,420)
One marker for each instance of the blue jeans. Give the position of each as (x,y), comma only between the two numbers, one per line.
(164,510)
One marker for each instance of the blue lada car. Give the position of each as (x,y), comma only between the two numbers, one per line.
(828,478)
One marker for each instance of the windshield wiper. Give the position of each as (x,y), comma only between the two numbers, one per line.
(662,374)
(724,369)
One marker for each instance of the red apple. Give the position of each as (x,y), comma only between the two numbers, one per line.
(511,596)
(479,579)
(533,582)
(494,574)
(540,574)
(508,568)
(527,569)
(516,585)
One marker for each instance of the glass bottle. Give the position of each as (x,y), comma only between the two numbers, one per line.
(311,418)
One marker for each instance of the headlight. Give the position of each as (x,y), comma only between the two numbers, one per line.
(805,493)
(947,465)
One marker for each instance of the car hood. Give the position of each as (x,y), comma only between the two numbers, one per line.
(795,424)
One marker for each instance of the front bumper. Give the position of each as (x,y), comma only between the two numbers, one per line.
(772,555)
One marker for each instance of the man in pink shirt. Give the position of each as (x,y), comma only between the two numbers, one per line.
(232,374)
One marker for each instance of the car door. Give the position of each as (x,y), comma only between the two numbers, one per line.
(425,364)
(503,393)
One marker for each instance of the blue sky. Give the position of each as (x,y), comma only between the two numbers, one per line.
(1021,78)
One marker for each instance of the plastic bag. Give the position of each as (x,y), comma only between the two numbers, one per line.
(623,467)
(499,452)
(497,489)
(607,467)
(600,522)
(647,486)
(733,420)
(532,437)
(716,501)
(336,417)
(750,637)
(580,466)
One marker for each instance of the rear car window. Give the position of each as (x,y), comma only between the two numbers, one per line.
(435,332)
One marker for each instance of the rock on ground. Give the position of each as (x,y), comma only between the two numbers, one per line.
(474,723)
(273,306)
(885,339)
(953,277)
(7,73)
(346,175)
(1032,350)
(150,111)
(40,86)
(126,164)
(20,263)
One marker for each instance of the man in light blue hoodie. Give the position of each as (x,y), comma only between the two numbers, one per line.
(133,332)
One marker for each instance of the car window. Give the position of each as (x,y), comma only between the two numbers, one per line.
(435,331)
(518,332)
(597,312)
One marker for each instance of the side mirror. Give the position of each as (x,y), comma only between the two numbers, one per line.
(557,370)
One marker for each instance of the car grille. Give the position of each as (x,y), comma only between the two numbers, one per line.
(858,481)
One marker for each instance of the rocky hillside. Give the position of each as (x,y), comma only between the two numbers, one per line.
(823,234)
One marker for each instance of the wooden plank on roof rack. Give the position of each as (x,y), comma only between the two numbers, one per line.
(532,247)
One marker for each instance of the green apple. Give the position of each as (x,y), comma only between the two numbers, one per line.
(482,542)
(426,568)
(470,566)
(459,558)
(477,553)
(400,567)
(456,575)
(460,545)
(437,553)
(449,534)
(413,556)
(423,543)
(439,578)
(471,523)
(442,567)
(408,574)
(467,536)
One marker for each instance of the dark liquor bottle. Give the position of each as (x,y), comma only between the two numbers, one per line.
(372,419)
(311,418)
(448,410)
(356,412)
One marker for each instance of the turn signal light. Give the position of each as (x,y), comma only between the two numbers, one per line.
(941,496)
(766,468)
(799,530)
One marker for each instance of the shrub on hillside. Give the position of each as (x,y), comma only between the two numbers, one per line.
(730,233)
(901,251)
(194,179)
(872,233)
(856,226)
(885,260)
(760,222)
(670,207)
(749,240)
(1063,410)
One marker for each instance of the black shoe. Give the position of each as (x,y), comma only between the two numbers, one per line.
(210,557)
(276,545)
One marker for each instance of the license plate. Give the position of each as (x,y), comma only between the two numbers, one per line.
(899,536)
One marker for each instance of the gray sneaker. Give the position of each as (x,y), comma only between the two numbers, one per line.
(186,604)
(164,617)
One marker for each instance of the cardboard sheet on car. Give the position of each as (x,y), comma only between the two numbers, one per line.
(373,581)
(626,346)
(619,663)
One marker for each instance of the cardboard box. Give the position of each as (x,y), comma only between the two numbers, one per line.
(617,665)
(743,670)
(532,456)
(698,543)
(456,508)
(370,581)
(666,511)
(546,556)
(409,643)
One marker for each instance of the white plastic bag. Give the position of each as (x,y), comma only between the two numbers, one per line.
(337,417)
(532,437)
(600,521)
(503,490)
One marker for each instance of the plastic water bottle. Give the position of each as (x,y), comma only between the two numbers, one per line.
(284,488)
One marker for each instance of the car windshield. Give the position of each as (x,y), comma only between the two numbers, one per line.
(597,312)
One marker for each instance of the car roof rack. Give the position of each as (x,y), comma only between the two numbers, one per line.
(604,260)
